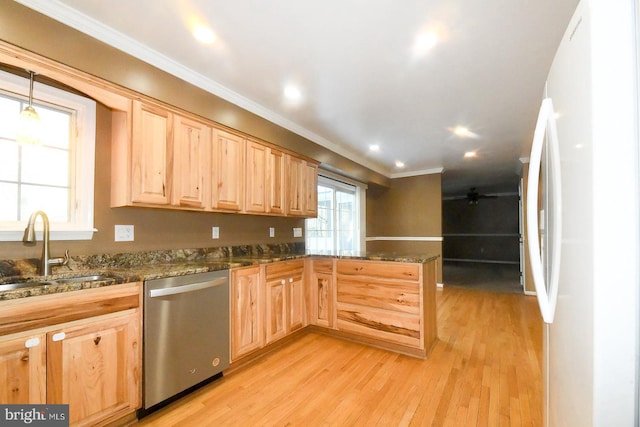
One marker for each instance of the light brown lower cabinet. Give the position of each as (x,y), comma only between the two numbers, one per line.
(23,363)
(84,352)
(268,302)
(321,283)
(389,303)
(247,324)
(285,299)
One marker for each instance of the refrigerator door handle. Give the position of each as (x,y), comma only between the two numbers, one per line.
(547,296)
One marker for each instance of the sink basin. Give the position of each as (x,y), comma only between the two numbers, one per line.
(14,286)
(61,281)
(82,279)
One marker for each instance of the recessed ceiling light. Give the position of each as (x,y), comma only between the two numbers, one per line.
(461,131)
(374,147)
(470,154)
(292,93)
(424,42)
(204,34)
(399,164)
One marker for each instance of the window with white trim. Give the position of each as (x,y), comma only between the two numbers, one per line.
(56,177)
(339,226)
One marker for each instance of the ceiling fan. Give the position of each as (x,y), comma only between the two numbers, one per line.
(473,196)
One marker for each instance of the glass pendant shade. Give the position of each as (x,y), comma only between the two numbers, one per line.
(29,126)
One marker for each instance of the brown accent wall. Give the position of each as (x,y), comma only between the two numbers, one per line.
(410,207)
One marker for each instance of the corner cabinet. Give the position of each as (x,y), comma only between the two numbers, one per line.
(322,293)
(82,348)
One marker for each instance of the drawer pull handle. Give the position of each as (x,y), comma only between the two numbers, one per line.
(97,340)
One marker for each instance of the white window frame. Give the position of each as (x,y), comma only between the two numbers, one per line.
(80,224)
(328,178)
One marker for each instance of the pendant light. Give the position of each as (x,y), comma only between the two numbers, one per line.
(29,123)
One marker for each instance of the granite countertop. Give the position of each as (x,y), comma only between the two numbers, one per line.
(136,268)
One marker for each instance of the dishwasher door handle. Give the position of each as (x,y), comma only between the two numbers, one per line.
(153,293)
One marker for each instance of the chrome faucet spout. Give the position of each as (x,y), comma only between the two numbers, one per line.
(30,239)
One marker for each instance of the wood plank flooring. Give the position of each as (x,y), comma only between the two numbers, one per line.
(485,370)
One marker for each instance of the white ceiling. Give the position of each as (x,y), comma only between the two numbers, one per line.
(360,79)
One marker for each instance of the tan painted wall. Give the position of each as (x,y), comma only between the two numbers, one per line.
(410,207)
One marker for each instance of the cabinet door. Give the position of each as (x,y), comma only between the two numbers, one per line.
(23,370)
(95,368)
(275,182)
(256,177)
(295,185)
(247,331)
(322,299)
(276,309)
(191,170)
(297,313)
(150,154)
(310,190)
(228,171)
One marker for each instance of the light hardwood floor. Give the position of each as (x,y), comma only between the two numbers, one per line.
(485,370)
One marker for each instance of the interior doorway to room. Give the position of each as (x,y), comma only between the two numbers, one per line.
(482,241)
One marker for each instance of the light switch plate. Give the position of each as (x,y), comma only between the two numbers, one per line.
(215,232)
(297,232)
(123,233)
(272,232)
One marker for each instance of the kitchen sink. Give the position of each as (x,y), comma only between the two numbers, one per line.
(82,279)
(60,281)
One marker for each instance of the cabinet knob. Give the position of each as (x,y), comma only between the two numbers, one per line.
(97,340)
(25,358)
(58,337)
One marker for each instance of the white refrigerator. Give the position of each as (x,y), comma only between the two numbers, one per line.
(584,229)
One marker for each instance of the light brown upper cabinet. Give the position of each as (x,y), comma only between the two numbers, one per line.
(227,162)
(302,181)
(275,182)
(165,158)
(256,177)
(265,184)
(191,168)
(151,154)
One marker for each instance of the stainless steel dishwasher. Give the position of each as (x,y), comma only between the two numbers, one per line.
(186,334)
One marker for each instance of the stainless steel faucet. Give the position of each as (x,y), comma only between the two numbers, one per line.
(30,239)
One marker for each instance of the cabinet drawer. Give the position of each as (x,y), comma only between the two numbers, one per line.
(394,327)
(401,296)
(392,270)
(284,268)
(324,265)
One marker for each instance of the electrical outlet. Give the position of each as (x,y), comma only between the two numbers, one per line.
(272,232)
(297,232)
(123,233)
(215,232)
